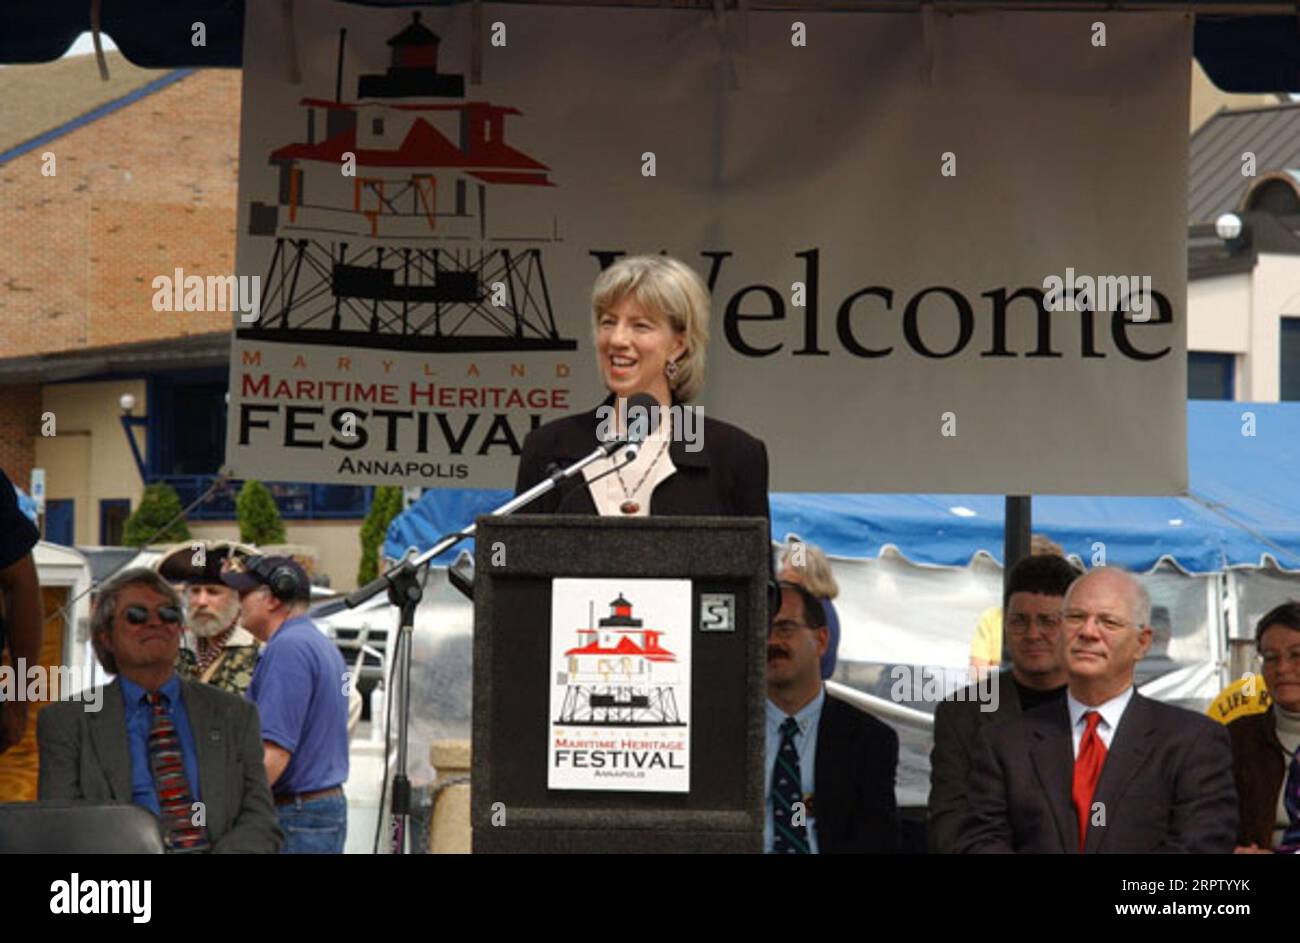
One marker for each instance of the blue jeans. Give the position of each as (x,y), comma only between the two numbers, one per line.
(314,827)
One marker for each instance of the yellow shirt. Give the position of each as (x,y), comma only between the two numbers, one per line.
(987,644)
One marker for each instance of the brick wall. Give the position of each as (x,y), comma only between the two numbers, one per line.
(137,193)
(20,424)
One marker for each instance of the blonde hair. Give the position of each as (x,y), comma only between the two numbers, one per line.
(665,286)
(815,575)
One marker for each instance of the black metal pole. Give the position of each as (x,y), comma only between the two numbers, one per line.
(1018,521)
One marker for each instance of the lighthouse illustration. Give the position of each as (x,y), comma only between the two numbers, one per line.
(620,674)
(404,220)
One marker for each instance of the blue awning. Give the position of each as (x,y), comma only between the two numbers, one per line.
(1242,507)
(1239,53)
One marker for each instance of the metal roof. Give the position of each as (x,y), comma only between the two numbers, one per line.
(169,353)
(1215,184)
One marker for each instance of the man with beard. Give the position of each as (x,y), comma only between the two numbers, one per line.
(830,767)
(215,648)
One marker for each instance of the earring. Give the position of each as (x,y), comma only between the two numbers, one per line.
(670,369)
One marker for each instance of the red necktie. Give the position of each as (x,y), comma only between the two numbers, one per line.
(1087,770)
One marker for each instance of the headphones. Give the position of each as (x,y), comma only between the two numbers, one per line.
(285,584)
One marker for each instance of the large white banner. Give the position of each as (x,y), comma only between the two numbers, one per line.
(900,217)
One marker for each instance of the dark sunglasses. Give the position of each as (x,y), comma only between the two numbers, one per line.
(139,615)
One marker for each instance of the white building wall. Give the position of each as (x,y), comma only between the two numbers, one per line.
(1241,314)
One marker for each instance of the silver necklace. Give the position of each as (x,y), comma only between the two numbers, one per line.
(630,506)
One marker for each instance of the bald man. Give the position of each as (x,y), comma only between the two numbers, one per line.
(1107,770)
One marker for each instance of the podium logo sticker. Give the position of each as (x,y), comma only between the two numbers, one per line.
(620,702)
(717,612)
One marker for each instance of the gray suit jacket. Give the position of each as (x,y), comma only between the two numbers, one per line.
(85,755)
(956,725)
(1166,785)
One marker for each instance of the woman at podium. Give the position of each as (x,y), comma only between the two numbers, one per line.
(651,330)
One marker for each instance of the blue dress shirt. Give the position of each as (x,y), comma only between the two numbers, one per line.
(805,743)
(139,718)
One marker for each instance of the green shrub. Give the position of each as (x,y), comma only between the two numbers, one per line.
(159,505)
(259,518)
(386,505)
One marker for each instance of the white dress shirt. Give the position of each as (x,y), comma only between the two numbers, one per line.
(1111,711)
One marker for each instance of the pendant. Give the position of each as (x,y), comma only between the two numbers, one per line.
(629,507)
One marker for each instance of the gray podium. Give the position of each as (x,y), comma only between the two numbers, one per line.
(727,561)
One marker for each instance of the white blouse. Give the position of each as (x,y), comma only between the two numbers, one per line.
(609,494)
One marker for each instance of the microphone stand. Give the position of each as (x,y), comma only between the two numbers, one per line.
(402,583)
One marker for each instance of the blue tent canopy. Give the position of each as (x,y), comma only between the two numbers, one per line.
(1240,53)
(1243,505)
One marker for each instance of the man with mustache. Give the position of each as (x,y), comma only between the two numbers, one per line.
(215,649)
(1108,770)
(830,767)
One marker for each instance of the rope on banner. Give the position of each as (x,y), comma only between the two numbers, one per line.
(724,40)
(96,12)
(927,44)
(290,43)
(476,43)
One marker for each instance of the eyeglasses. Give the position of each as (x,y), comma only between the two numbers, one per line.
(786,627)
(139,615)
(1019,624)
(1271,659)
(1077,619)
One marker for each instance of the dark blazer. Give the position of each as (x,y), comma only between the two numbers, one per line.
(1166,786)
(956,725)
(1259,769)
(84,755)
(854,809)
(727,476)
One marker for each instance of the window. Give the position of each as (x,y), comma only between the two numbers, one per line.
(113,513)
(377,127)
(1210,376)
(1289,360)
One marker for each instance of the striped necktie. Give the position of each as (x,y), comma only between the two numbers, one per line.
(788,838)
(175,799)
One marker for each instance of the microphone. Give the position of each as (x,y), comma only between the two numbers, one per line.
(645,408)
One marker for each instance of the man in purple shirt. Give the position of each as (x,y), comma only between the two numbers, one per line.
(300,688)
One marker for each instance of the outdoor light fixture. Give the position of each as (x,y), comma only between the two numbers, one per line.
(127,402)
(1228,226)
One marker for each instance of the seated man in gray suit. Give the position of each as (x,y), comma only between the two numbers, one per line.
(188,752)
(1108,770)
(1031,607)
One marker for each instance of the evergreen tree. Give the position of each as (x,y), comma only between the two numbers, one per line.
(385,505)
(159,505)
(259,518)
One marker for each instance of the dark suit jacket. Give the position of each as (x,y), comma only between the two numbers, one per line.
(1259,770)
(1166,786)
(956,725)
(854,809)
(728,476)
(84,755)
